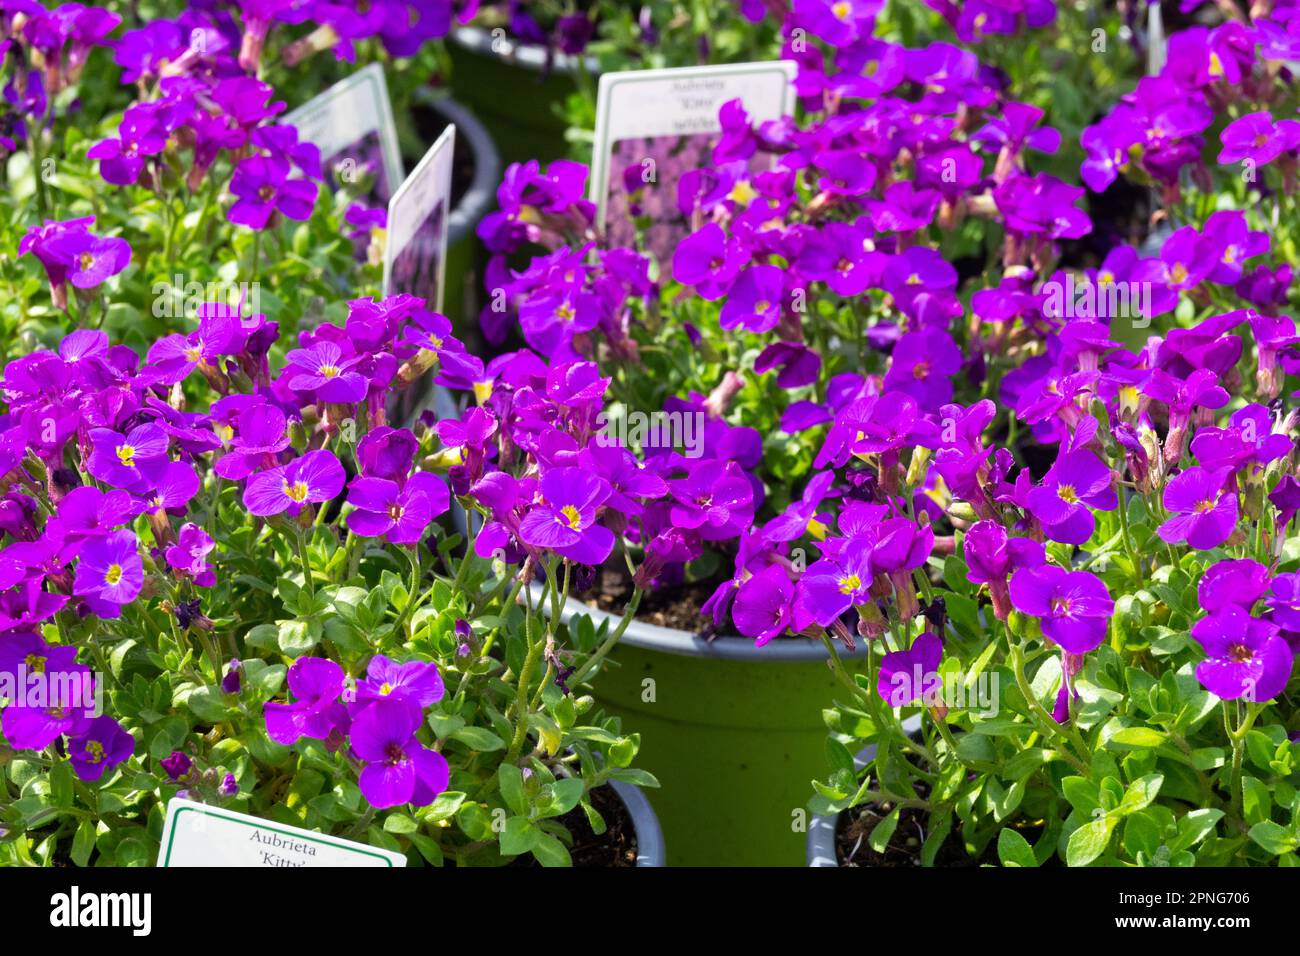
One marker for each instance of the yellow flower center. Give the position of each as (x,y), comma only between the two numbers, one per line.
(482,391)
(1205,505)
(571,517)
(126,455)
(329,371)
(35,663)
(113,575)
(742,194)
(296,491)
(94,751)
(849,583)
(385,689)
(1067,494)
(841,10)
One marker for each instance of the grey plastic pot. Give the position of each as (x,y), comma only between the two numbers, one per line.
(649,837)
(733,732)
(821,830)
(517,89)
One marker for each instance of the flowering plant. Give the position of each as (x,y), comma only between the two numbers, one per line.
(242,572)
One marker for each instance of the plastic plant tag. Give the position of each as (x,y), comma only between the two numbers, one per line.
(352,124)
(196,834)
(415,255)
(653,126)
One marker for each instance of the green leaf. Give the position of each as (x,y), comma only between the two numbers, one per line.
(296,638)
(511,781)
(551,852)
(519,836)
(567,793)
(1194,827)
(479,738)
(61,784)
(1273,838)
(1082,793)
(1089,842)
(1140,793)
(1014,849)
(83,844)
(1135,737)
(883,832)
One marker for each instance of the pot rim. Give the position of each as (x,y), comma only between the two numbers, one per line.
(650,850)
(480,197)
(527,55)
(821,829)
(669,640)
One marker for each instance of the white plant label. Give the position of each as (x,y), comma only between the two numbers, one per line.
(196,834)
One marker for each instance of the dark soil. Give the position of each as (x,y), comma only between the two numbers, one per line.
(904,847)
(615,847)
(670,606)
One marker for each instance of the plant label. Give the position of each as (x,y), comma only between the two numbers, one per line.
(196,834)
(352,124)
(654,126)
(415,257)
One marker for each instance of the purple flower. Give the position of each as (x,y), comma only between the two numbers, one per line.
(922,365)
(1073,606)
(1238,583)
(715,502)
(387,452)
(913,674)
(263,434)
(1244,657)
(1284,602)
(762,608)
(89,260)
(190,555)
(708,260)
(110,573)
(399,769)
(140,135)
(263,186)
(565,521)
(35,728)
(416,681)
(1077,482)
(831,586)
(102,745)
(1204,514)
(316,476)
(316,684)
(130,461)
(992,555)
(177,765)
(1257,139)
(754,300)
(400,514)
(323,371)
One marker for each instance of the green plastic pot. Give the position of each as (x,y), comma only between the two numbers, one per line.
(514,90)
(733,732)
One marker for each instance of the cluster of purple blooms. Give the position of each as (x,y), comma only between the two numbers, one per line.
(904,142)
(102,467)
